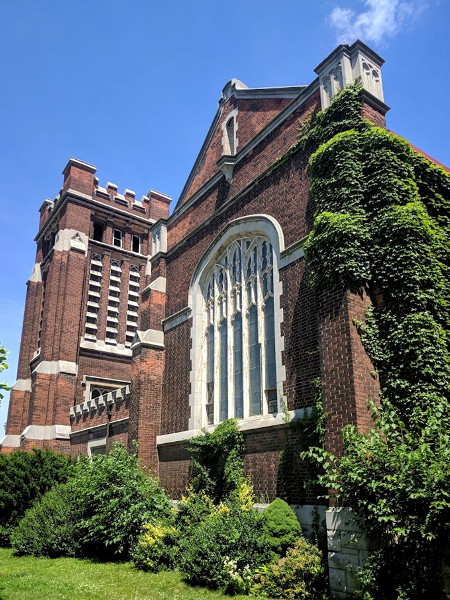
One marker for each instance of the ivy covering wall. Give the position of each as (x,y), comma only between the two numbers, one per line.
(382,226)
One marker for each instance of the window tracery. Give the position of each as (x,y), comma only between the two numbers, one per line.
(239,332)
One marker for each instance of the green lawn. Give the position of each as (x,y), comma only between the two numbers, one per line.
(30,578)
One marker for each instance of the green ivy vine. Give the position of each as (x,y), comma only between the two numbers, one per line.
(382,225)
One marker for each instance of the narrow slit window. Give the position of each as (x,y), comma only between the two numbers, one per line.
(98,232)
(231,136)
(136,243)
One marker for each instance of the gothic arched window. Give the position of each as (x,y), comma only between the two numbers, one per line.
(239,332)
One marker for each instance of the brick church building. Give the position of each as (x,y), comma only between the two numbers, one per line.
(149,326)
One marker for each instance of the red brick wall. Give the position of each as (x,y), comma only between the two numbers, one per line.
(63,306)
(262,464)
(19,400)
(118,433)
(51,398)
(347,373)
(175,411)
(107,366)
(75,216)
(145,403)
(174,465)
(285,193)
(158,207)
(320,339)
(300,331)
(64,319)
(80,178)
(253,116)
(374,116)
(56,445)
(19,403)
(99,417)
(28,344)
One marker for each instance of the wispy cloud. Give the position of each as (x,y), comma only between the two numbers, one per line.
(381,19)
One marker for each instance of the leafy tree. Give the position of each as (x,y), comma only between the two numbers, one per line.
(108,500)
(116,497)
(3,366)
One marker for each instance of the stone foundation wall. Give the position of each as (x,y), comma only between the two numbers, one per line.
(348,548)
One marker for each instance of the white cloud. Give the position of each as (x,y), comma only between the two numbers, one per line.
(380,19)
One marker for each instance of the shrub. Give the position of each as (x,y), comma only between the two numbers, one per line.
(218,463)
(116,498)
(298,576)
(192,510)
(103,506)
(222,550)
(398,572)
(281,527)
(49,528)
(24,477)
(156,549)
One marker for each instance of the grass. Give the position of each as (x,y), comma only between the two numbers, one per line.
(30,578)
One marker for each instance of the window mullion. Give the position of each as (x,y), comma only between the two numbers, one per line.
(261,331)
(240,336)
(245,336)
(230,349)
(216,349)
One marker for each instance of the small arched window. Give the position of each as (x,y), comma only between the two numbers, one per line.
(96,393)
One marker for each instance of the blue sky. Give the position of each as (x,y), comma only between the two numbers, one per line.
(132,86)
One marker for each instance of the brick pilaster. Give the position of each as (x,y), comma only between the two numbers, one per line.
(145,405)
(348,377)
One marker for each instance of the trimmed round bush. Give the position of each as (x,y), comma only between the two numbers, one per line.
(281,527)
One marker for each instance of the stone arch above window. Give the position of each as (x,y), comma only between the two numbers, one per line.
(237,343)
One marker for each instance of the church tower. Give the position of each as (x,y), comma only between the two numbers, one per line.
(81,315)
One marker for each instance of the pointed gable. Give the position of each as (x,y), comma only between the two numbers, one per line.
(242,113)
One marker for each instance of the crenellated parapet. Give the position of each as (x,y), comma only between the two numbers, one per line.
(109,194)
(94,405)
(80,177)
